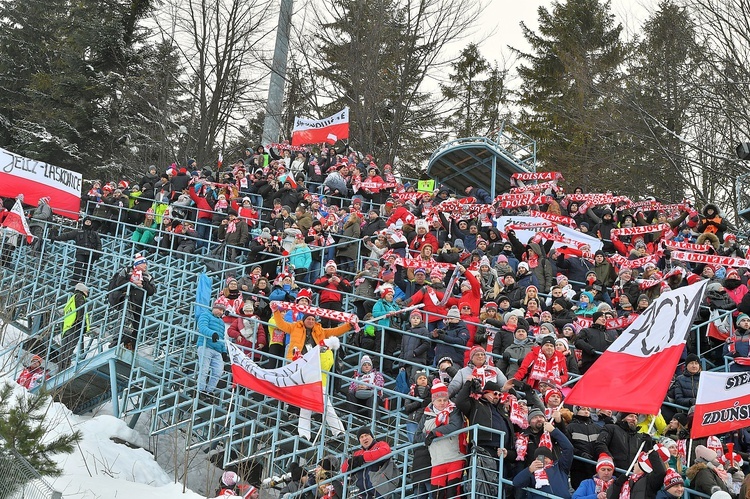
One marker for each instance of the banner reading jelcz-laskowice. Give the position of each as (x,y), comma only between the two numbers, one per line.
(722,403)
(36,179)
(328,130)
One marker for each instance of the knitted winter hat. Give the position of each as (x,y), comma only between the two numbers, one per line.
(229,478)
(439,389)
(476,349)
(604,460)
(454,313)
(672,478)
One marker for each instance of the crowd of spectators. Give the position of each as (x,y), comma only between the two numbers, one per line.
(478,320)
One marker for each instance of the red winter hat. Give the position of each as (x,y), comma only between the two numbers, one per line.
(476,349)
(550,392)
(672,478)
(439,388)
(604,460)
(304,293)
(733,274)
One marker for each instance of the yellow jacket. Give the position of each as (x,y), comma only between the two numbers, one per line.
(659,425)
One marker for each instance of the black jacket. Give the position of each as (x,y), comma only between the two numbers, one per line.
(622,443)
(85,240)
(594,339)
(582,433)
(482,413)
(686,389)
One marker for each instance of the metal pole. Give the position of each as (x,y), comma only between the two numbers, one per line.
(275,102)
(113,387)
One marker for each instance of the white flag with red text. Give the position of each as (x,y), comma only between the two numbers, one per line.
(634,373)
(298,383)
(16,220)
(329,130)
(722,403)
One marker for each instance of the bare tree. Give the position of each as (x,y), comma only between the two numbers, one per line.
(220,42)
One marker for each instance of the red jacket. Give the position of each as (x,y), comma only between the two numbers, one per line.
(419,241)
(377,450)
(331,291)
(235,332)
(557,368)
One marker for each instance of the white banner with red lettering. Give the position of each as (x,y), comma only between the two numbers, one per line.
(35,179)
(640,363)
(298,383)
(329,130)
(597,199)
(722,404)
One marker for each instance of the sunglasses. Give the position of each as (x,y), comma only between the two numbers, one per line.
(496,394)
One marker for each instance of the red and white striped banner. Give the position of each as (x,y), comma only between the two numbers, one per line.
(681,245)
(412,263)
(726,261)
(535,188)
(620,261)
(526,177)
(280,147)
(373,186)
(640,229)
(722,404)
(334,315)
(557,237)
(559,219)
(597,199)
(614,323)
(510,201)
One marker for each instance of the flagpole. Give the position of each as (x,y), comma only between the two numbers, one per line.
(229,409)
(690,451)
(407,309)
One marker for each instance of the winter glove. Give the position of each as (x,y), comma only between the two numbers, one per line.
(225,356)
(429,438)
(357,461)
(215,337)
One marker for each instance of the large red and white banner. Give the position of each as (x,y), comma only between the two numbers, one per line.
(639,365)
(525,235)
(722,404)
(35,179)
(298,383)
(328,130)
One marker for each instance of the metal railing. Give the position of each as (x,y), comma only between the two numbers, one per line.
(19,480)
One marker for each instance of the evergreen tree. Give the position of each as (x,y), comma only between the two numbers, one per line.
(568,80)
(23,429)
(477,91)
(662,94)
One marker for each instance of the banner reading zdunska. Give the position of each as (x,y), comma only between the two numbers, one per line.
(722,403)
(36,179)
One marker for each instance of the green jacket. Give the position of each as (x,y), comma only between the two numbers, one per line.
(73,313)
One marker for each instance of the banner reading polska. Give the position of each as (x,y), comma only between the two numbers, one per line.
(329,130)
(722,403)
(35,179)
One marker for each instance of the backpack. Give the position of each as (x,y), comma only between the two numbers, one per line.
(116,296)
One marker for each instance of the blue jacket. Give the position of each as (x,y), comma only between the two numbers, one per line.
(587,490)
(300,257)
(208,324)
(686,389)
(557,473)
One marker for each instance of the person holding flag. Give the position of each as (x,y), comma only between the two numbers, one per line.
(327,348)
(738,345)
(306,333)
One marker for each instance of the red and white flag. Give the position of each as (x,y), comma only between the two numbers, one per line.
(298,383)
(16,220)
(722,404)
(329,130)
(634,373)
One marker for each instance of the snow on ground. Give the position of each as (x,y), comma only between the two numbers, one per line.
(100,467)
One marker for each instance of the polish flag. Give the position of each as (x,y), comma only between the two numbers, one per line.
(634,373)
(16,220)
(298,383)
(329,130)
(220,161)
(722,404)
